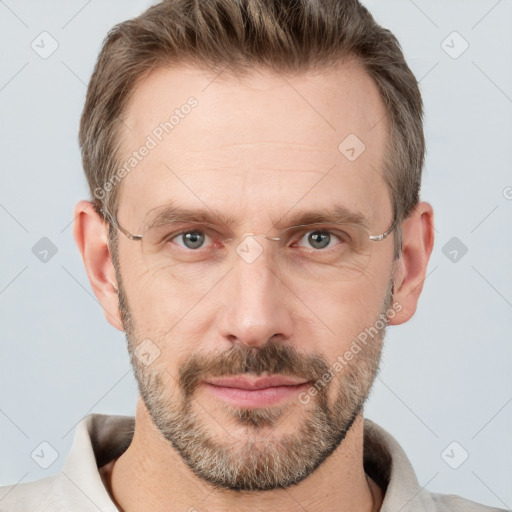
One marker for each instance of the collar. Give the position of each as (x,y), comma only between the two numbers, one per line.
(101,438)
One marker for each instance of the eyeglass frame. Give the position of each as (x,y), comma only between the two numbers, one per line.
(137,238)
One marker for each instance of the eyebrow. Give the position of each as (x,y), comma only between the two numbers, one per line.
(333,215)
(174,213)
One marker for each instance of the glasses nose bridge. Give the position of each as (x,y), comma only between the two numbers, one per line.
(249,248)
(269,235)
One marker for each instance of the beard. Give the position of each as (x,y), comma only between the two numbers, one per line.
(262,459)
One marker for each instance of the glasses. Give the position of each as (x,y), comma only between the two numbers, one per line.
(335,251)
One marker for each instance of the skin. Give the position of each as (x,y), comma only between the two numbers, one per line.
(255,148)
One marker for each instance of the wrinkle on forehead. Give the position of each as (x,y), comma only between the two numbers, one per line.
(241,143)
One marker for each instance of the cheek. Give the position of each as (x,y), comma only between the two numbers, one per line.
(340,314)
(174,312)
(165,290)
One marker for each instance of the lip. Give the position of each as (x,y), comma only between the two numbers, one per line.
(244,391)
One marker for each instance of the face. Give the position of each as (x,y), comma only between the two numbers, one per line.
(206,305)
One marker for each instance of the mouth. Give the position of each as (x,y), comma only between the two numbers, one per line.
(245,391)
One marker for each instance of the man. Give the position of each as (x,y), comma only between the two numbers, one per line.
(255,225)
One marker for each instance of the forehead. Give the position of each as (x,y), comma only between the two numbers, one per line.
(259,143)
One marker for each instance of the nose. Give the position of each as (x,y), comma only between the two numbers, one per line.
(258,305)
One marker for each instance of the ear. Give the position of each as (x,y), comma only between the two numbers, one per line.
(418,240)
(91,237)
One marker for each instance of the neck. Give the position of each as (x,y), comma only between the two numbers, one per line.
(150,475)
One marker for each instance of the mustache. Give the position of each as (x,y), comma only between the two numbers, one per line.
(272,358)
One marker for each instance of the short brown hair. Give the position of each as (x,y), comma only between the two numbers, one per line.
(281,35)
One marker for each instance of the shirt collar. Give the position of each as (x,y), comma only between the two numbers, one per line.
(101,438)
(386,462)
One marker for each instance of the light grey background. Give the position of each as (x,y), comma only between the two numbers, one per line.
(446,375)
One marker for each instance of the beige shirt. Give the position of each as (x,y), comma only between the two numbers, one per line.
(99,439)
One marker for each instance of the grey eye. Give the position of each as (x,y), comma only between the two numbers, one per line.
(191,239)
(319,239)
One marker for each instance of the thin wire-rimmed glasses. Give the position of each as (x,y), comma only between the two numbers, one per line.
(334,251)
